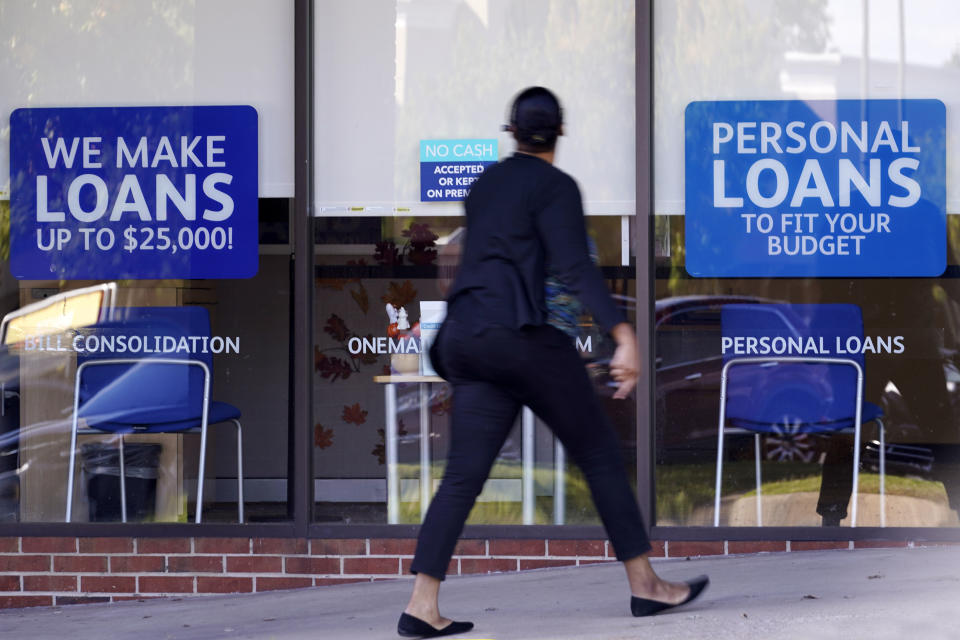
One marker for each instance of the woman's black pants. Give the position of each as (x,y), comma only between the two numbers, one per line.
(494,373)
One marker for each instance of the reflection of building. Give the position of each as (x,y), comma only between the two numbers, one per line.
(341,232)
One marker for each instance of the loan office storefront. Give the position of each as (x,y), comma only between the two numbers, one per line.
(260,227)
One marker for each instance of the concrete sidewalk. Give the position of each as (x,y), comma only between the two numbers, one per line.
(866,593)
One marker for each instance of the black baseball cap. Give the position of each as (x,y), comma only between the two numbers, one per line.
(536,117)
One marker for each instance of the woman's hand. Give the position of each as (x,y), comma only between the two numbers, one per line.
(625,364)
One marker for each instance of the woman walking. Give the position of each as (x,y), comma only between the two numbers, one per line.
(499,353)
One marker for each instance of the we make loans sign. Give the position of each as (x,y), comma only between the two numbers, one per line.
(790,188)
(449,167)
(133,192)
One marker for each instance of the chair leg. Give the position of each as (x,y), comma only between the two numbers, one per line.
(123,483)
(855,493)
(883,473)
(71,468)
(720,426)
(717,489)
(239,470)
(204,423)
(756,461)
(74,425)
(198,516)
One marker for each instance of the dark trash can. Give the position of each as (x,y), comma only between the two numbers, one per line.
(9,458)
(101,469)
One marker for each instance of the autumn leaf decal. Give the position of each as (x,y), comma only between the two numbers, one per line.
(387,252)
(334,368)
(361,298)
(322,438)
(337,328)
(336,284)
(420,233)
(353,414)
(400,295)
(340,368)
(318,358)
(366,357)
(422,256)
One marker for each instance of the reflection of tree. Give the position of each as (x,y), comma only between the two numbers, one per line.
(165,28)
(93,52)
(953,238)
(804,24)
(567,45)
(954,59)
(4,230)
(703,50)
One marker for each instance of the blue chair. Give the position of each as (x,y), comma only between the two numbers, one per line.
(134,375)
(787,370)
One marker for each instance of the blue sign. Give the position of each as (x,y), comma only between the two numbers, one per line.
(792,188)
(449,167)
(133,193)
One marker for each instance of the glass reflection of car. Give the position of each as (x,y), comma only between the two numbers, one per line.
(19,332)
(688,366)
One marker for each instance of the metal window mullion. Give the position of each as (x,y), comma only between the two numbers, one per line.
(300,452)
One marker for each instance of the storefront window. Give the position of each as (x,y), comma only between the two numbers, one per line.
(368,364)
(413,80)
(145,194)
(833,74)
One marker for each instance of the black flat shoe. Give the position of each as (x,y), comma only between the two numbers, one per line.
(643,607)
(411,627)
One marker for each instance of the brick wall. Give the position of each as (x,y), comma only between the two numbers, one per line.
(36,571)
